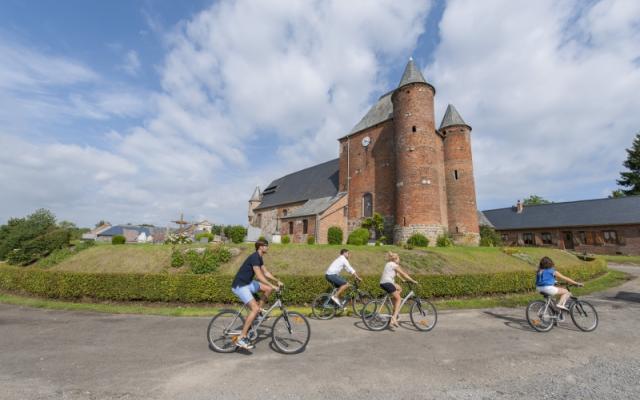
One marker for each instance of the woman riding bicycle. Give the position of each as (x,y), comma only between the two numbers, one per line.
(387,282)
(546,281)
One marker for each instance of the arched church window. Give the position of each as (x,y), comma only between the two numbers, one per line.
(367,205)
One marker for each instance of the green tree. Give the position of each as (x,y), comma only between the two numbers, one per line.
(631,179)
(18,231)
(616,193)
(535,200)
(376,223)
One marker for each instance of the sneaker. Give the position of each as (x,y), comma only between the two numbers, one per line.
(336,300)
(244,343)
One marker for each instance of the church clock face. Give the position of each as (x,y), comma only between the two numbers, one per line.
(366,141)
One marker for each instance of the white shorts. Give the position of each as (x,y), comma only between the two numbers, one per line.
(550,290)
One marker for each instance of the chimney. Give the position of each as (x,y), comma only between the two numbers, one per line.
(519,207)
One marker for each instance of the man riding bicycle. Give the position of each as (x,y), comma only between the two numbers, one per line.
(333,274)
(244,286)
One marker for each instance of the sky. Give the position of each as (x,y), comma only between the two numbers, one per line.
(137,111)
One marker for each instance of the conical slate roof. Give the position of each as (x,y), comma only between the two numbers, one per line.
(256,194)
(452,117)
(411,74)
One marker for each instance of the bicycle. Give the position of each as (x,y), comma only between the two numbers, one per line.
(323,307)
(543,315)
(290,332)
(377,313)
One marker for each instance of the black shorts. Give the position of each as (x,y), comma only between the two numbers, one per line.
(388,287)
(336,280)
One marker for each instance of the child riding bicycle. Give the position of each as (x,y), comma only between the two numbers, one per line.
(546,282)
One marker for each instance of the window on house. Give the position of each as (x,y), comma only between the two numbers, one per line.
(305,226)
(290,227)
(284,212)
(582,235)
(413,129)
(457,230)
(546,238)
(259,219)
(404,221)
(367,205)
(505,237)
(345,210)
(610,236)
(528,238)
(455,174)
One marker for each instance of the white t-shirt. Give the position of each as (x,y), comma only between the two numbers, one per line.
(389,273)
(338,264)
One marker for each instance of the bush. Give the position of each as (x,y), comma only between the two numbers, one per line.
(334,235)
(177,258)
(207,235)
(381,240)
(286,239)
(178,238)
(444,241)
(39,247)
(418,240)
(262,238)
(19,231)
(208,261)
(236,233)
(489,237)
(118,239)
(214,288)
(359,237)
(311,239)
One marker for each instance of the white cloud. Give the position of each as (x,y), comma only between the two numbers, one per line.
(549,88)
(131,63)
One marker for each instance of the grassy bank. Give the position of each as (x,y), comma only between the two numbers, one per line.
(305,260)
(633,260)
(608,280)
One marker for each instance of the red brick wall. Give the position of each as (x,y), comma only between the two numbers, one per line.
(334,216)
(420,183)
(372,171)
(298,236)
(460,185)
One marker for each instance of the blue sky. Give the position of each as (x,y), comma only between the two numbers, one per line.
(135,111)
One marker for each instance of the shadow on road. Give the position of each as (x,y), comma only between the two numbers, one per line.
(627,296)
(512,322)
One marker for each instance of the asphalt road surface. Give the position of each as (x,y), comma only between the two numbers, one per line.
(471,354)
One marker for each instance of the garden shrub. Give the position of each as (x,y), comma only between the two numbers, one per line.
(236,233)
(286,239)
(334,235)
(444,241)
(178,238)
(177,258)
(118,239)
(214,288)
(18,231)
(207,235)
(489,237)
(359,237)
(311,239)
(39,247)
(418,240)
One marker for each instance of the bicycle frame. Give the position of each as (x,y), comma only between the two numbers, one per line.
(255,325)
(386,299)
(350,295)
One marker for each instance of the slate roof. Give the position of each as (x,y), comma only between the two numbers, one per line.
(256,194)
(411,74)
(119,230)
(315,206)
(311,183)
(452,117)
(623,210)
(483,220)
(380,112)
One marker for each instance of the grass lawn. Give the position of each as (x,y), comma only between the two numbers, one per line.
(293,259)
(622,259)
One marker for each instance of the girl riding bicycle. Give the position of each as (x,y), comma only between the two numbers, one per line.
(387,282)
(546,280)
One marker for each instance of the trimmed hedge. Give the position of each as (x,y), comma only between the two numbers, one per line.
(191,288)
(359,237)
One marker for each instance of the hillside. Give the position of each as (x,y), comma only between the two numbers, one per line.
(313,260)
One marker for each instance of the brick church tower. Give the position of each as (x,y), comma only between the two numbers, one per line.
(420,181)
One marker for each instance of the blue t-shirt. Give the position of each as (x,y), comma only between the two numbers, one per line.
(245,273)
(546,277)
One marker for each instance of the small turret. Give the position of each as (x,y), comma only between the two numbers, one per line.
(255,200)
(458,165)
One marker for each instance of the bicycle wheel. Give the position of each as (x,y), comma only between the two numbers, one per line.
(584,315)
(323,307)
(423,315)
(358,302)
(540,316)
(291,332)
(376,315)
(223,331)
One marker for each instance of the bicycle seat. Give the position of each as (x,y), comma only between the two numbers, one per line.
(545,295)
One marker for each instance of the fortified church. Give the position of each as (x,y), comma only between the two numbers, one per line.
(393,162)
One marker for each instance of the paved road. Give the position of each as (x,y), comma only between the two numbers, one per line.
(474,354)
